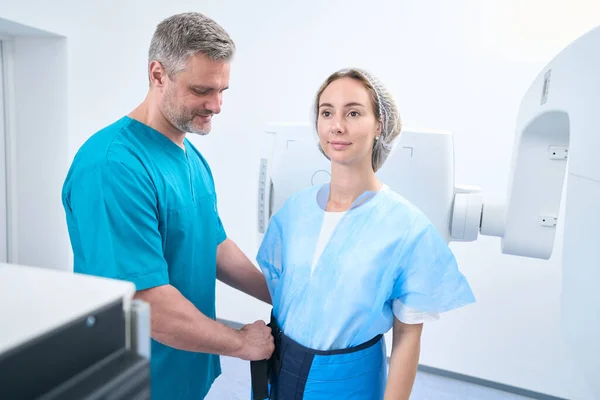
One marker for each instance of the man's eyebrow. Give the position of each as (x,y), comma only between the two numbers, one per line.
(206,88)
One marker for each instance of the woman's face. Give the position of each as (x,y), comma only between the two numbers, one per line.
(346,123)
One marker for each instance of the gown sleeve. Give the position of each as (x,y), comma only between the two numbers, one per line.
(410,315)
(269,257)
(428,279)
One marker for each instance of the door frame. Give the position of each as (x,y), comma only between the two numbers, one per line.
(8,200)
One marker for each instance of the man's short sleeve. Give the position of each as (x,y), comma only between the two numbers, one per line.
(221,235)
(114,225)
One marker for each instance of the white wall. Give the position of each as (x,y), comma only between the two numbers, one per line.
(461,66)
(3,213)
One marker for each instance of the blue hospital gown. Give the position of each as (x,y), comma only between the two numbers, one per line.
(383,249)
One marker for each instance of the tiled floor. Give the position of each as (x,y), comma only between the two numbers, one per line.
(234,384)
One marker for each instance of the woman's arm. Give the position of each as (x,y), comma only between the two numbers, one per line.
(406,349)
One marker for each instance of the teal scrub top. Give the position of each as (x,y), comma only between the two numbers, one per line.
(139,208)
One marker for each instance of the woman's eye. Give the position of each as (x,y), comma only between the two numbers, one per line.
(354,113)
(326,113)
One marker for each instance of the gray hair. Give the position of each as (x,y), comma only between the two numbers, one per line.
(183,35)
(384,108)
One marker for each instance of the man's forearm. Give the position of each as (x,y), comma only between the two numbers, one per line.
(177,323)
(403,361)
(235,269)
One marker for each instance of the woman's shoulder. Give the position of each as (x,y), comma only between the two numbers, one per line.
(298,200)
(393,196)
(397,202)
(301,197)
(399,208)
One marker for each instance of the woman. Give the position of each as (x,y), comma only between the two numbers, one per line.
(347,261)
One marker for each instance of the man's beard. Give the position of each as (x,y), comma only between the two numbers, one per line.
(183,120)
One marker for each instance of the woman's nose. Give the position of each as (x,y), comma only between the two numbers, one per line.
(337,126)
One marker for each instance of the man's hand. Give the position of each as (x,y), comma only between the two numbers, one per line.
(179,324)
(257,342)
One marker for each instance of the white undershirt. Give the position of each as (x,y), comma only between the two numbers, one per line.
(330,221)
(405,314)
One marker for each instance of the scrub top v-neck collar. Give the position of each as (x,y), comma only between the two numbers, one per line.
(167,144)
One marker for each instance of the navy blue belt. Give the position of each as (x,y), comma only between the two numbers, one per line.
(285,374)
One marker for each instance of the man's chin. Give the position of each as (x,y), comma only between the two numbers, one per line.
(201,130)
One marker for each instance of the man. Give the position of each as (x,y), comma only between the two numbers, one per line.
(141,206)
